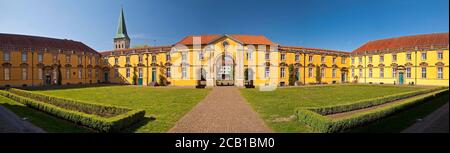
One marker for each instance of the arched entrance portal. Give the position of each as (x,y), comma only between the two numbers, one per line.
(225,71)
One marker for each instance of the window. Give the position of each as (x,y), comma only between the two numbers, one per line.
(96,73)
(140,59)
(267,72)
(24,73)
(6,56)
(55,58)
(334,73)
(7,73)
(310,72)
(370,59)
(80,60)
(360,73)
(167,57)
(127,72)
(80,73)
(249,55)
(360,60)
(322,72)
(283,57)
(90,73)
(353,60)
(343,60)
(97,60)
(24,56)
(381,58)
(394,72)
(310,57)
(370,72)
(201,55)
(154,59)
(282,72)
(381,72)
(334,60)
(353,72)
(40,57)
(440,56)
(116,61)
(440,73)
(267,56)
(297,57)
(183,72)
(322,59)
(67,73)
(127,59)
(408,56)
(424,56)
(408,72)
(40,74)
(394,58)
(90,61)
(68,59)
(184,56)
(140,72)
(116,72)
(424,72)
(168,74)
(55,74)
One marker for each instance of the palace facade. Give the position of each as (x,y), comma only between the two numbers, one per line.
(39,61)
(222,59)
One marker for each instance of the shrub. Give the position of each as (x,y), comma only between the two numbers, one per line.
(102,124)
(85,107)
(321,123)
(369,102)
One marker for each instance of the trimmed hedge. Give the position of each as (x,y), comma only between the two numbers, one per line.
(76,105)
(102,124)
(327,110)
(321,123)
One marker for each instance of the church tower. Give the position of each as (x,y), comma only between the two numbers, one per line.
(121,40)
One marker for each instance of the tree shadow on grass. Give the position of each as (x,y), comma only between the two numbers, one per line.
(133,128)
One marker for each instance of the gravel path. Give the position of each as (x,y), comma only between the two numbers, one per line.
(436,122)
(11,123)
(223,110)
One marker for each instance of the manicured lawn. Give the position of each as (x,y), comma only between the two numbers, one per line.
(47,122)
(402,120)
(163,106)
(277,107)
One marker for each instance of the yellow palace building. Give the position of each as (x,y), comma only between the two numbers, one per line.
(222,59)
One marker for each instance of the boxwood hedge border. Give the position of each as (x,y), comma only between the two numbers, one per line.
(321,123)
(102,124)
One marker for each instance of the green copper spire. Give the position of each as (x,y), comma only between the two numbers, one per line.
(121,28)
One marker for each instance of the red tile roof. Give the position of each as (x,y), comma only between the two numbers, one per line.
(318,50)
(24,41)
(138,50)
(406,42)
(245,39)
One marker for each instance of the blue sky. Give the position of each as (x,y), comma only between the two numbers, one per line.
(329,24)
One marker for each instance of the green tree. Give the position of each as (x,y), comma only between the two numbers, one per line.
(162,75)
(318,76)
(59,78)
(134,76)
(291,75)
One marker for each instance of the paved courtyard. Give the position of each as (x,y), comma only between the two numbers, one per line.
(11,123)
(223,110)
(436,122)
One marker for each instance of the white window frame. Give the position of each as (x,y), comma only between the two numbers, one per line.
(333,73)
(282,72)
(127,72)
(408,72)
(440,72)
(370,72)
(40,57)
(423,56)
(24,56)
(7,73)
(24,73)
(381,72)
(310,72)
(424,72)
(6,56)
(40,74)
(266,72)
(67,73)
